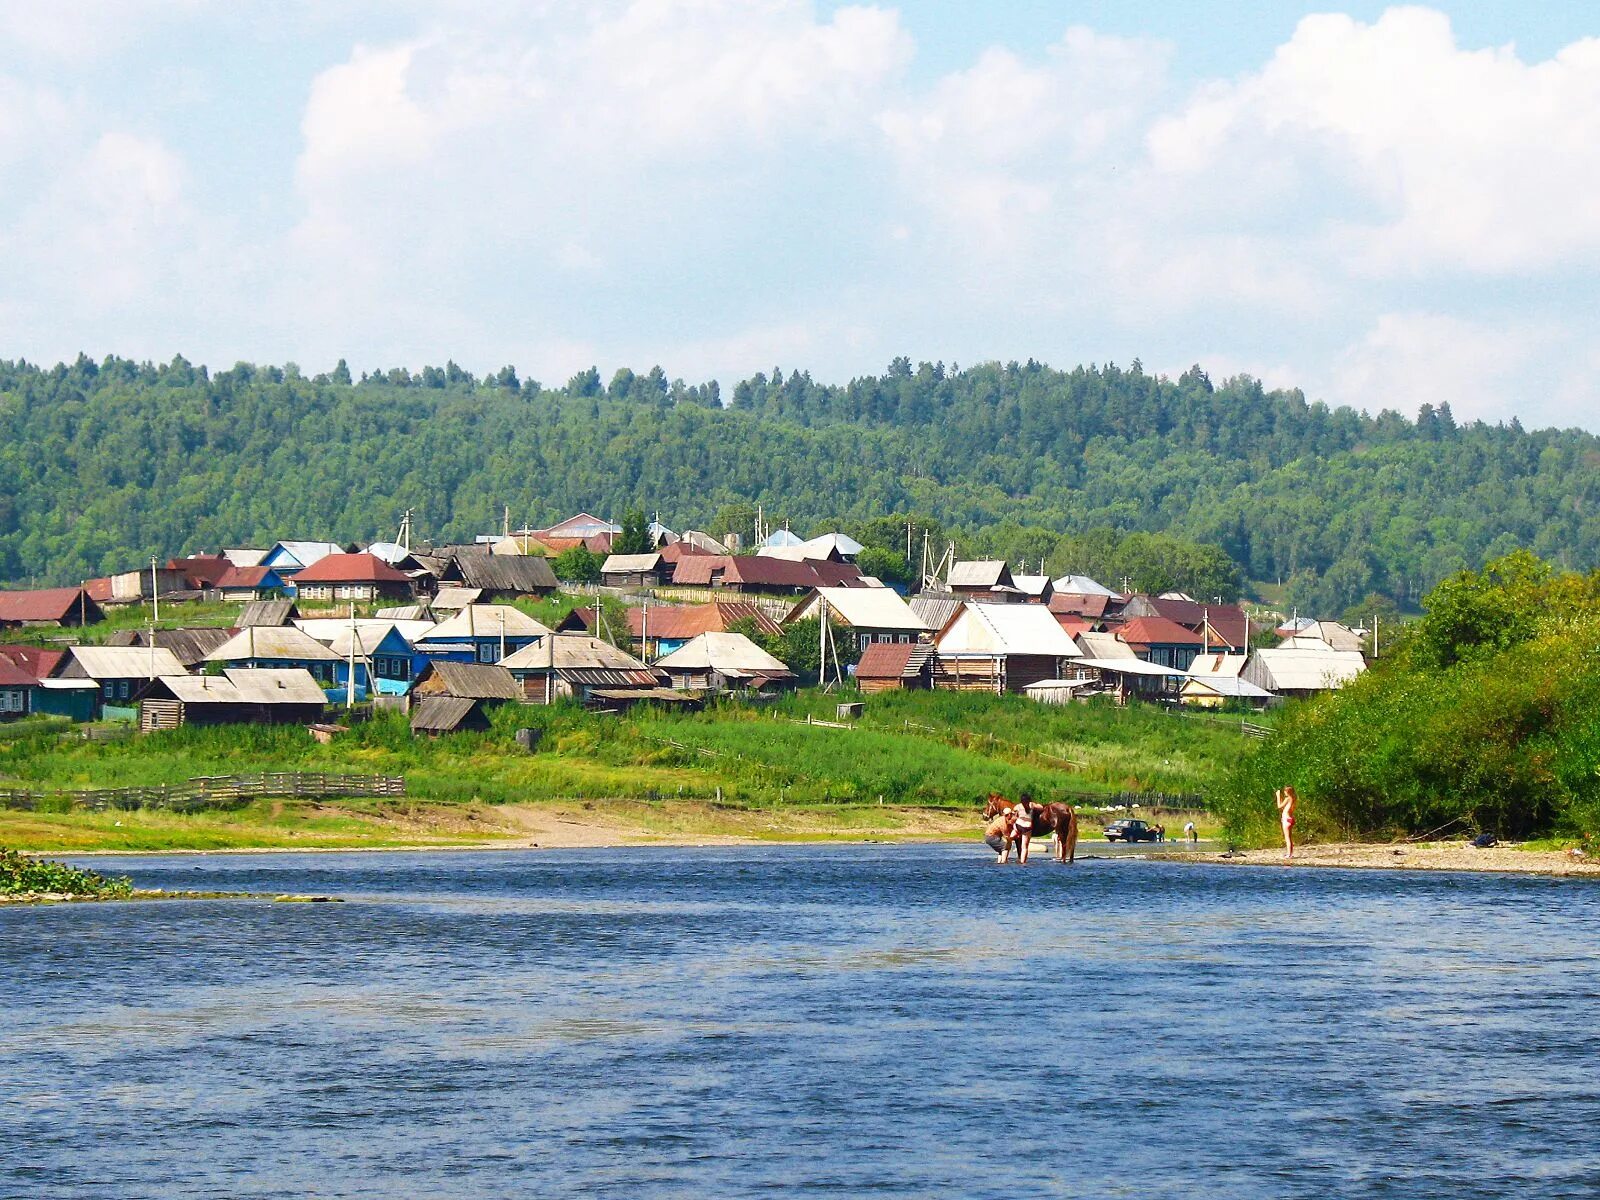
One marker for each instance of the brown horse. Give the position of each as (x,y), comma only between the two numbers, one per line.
(1059,820)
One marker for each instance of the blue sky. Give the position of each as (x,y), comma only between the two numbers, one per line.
(1385,206)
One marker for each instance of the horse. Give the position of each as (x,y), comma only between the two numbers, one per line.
(1059,820)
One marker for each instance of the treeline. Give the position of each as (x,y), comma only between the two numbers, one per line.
(1484,718)
(105,463)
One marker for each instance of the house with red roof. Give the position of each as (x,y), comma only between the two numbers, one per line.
(1160,641)
(358,577)
(48,606)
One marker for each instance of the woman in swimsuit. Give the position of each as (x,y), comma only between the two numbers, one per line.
(1022,828)
(1285,799)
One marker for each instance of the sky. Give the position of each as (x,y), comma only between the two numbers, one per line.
(1384,206)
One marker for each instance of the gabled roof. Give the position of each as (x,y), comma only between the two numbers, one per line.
(504,572)
(725,653)
(1091,605)
(1082,585)
(245,685)
(351,568)
(1001,629)
(630,564)
(267,612)
(243,556)
(579,658)
(1225,685)
(1072,623)
(190,646)
(47,604)
(486,621)
(478,681)
(392,553)
(370,634)
(13,676)
(35,660)
(201,570)
(248,577)
(761,570)
(300,554)
(861,608)
(278,642)
(450,598)
(675,623)
(1104,647)
(1331,634)
(1218,665)
(702,540)
(935,611)
(893,660)
(408,612)
(442,714)
(781,537)
(1032,585)
(582,525)
(1156,631)
(121,662)
(982,573)
(1307,670)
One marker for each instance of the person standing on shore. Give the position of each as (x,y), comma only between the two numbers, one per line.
(1190,832)
(1286,800)
(1022,827)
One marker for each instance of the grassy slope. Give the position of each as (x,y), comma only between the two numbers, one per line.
(917,750)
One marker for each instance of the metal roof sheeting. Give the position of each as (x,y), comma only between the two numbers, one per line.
(1303,670)
(123,662)
(983,573)
(724,652)
(862,608)
(247,685)
(1082,585)
(1000,629)
(283,642)
(486,621)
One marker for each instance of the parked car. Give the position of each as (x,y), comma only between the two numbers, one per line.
(1129,830)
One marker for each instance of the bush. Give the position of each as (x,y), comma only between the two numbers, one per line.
(20,875)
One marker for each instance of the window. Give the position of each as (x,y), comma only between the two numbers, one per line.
(109,690)
(487,652)
(13,701)
(124,690)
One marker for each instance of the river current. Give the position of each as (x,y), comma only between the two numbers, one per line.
(801,1021)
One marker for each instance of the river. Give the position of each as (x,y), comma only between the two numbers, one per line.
(774,1021)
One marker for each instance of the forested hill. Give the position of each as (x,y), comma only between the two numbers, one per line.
(104,464)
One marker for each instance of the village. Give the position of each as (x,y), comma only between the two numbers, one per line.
(446,632)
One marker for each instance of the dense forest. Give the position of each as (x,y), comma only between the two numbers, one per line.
(106,463)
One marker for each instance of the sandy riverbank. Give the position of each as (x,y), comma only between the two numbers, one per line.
(1420,856)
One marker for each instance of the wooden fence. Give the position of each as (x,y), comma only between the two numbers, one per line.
(208,792)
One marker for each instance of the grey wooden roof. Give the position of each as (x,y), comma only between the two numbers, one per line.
(441,714)
(475,681)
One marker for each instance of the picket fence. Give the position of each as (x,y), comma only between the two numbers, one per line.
(208,792)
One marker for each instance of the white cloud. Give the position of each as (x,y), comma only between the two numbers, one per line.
(1447,158)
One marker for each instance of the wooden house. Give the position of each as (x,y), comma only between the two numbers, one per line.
(267,612)
(497,577)
(575,665)
(867,614)
(49,606)
(275,647)
(290,558)
(1219,626)
(189,646)
(121,672)
(245,585)
(437,715)
(722,662)
(988,581)
(236,697)
(16,691)
(893,666)
(1001,648)
(635,570)
(1302,672)
(482,633)
(762,574)
(1160,641)
(1116,668)
(385,660)
(663,628)
(488,682)
(352,577)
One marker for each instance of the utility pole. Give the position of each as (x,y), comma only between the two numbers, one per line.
(155,592)
(350,678)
